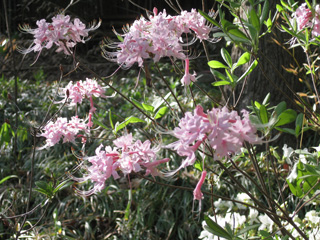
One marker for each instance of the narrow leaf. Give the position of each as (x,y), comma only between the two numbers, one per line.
(216,64)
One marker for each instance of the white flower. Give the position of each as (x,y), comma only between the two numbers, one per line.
(266,223)
(235,219)
(243,197)
(222,205)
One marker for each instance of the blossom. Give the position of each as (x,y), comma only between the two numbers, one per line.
(197,194)
(187,77)
(157,37)
(61,32)
(305,17)
(266,223)
(62,128)
(126,156)
(223,130)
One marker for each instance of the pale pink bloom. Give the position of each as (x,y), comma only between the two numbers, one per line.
(157,37)
(197,194)
(63,129)
(61,32)
(80,90)
(187,77)
(223,130)
(127,157)
(303,16)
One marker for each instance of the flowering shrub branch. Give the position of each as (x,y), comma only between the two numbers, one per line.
(222,139)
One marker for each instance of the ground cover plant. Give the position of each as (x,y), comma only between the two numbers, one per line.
(164,151)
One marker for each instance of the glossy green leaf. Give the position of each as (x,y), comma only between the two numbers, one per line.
(299,124)
(219,75)
(265,12)
(287,116)
(110,119)
(7,178)
(216,64)
(248,71)
(280,108)
(161,112)
(148,107)
(287,130)
(244,58)
(226,57)
(254,19)
(208,18)
(216,229)
(220,83)
(264,114)
(128,120)
(198,165)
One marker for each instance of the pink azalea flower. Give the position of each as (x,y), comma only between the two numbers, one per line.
(61,32)
(197,194)
(128,156)
(187,77)
(223,130)
(303,16)
(62,128)
(157,37)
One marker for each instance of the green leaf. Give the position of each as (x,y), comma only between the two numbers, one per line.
(287,116)
(96,121)
(287,130)
(299,124)
(147,107)
(248,228)
(248,71)
(264,114)
(258,105)
(279,8)
(220,83)
(6,133)
(243,59)
(161,112)
(216,229)
(232,29)
(62,185)
(110,119)
(198,165)
(255,20)
(226,57)
(280,108)
(216,64)
(44,188)
(219,75)
(208,18)
(232,78)
(128,120)
(265,12)
(7,178)
(136,103)
(303,179)
(266,99)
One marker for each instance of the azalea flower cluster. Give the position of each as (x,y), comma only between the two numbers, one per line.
(160,36)
(307,18)
(61,32)
(223,130)
(54,131)
(80,90)
(61,128)
(127,156)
